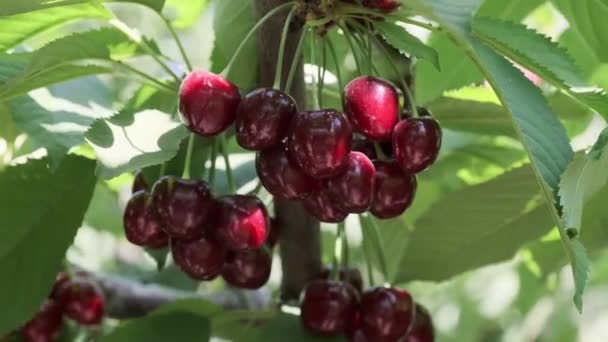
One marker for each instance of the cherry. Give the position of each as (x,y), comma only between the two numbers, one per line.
(201,259)
(208,102)
(373,106)
(383,5)
(139,183)
(349,275)
(353,190)
(242,222)
(394,191)
(142,224)
(328,307)
(416,143)
(319,142)
(366,147)
(46,325)
(387,314)
(183,205)
(280,176)
(320,205)
(61,279)
(248,269)
(263,117)
(422,331)
(82,301)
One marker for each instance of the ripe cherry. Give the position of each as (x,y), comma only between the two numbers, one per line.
(349,275)
(142,224)
(328,307)
(61,279)
(373,106)
(319,142)
(46,325)
(248,269)
(422,331)
(82,301)
(139,183)
(280,176)
(353,190)
(320,205)
(263,117)
(387,314)
(416,143)
(242,222)
(394,191)
(183,205)
(383,5)
(201,259)
(208,102)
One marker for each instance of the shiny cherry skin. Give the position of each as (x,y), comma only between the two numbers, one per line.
(248,269)
(184,206)
(349,275)
(319,142)
(353,190)
(139,183)
(394,191)
(328,307)
(416,143)
(208,102)
(387,314)
(280,176)
(46,325)
(242,222)
(422,331)
(382,5)
(321,205)
(82,301)
(366,147)
(263,117)
(200,259)
(142,223)
(372,105)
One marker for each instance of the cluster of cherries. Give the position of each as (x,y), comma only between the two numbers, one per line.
(380,314)
(75,298)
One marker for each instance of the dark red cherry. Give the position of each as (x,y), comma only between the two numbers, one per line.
(142,223)
(387,314)
(366,147)
(280,176)
(242,222)
(139,183)
(394,191)
(416,143)
(248,269)
(274,234)
(263,117)
(422,331)
(61,279)
(383,5)
(353,190)
(46,325)
(183,205)
(349,275)
(321,205)
(201,259)
(328,307)
(82,301)
(319,142)
(208,102)
(373,106)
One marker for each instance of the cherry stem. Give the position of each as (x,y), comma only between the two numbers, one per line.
(321,71)
(229,175)
(379,246)
(332,51)
(188,160)
(338,252)
(154,82)
(348,9)
(296,60)
(163,169)
(352,47)
(280,59)
(345,251)
(178,42)
(367,252)
(415,23)
(315,86)
(205,157)
(213,158)
(253,30)
(379,152)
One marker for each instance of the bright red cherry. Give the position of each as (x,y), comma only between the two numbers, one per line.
(142,224)
(46,325)
(183,205)
(422,331)
(373,106)
(280,176)
(353,190)
(319,142)
(201,259)
(349,275)
(248,269)
(416,143)
(387,314)
(394,191)
(82,301)
(139,183)
(208,102)
(383,5)
(321,205)
(242,222)
(263,117)
(328,307)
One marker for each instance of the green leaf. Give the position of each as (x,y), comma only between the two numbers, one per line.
(514,10)
(104,212)
(186,326)
(275,330)
(40,212)
(11,7)
(187,12)
(19,28)
(405,42)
